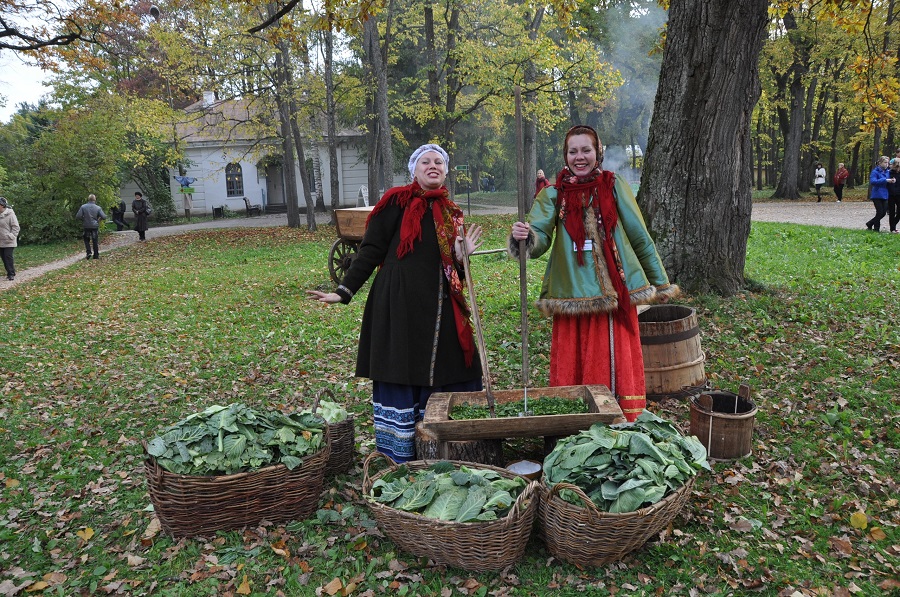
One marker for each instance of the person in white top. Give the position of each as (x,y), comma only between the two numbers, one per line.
(819,181)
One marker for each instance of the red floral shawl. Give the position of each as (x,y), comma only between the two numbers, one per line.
(448,217)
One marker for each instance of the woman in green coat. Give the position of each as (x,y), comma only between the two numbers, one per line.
(602,264)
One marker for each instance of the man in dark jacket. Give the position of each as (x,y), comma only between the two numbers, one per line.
(90,215)
(118,216)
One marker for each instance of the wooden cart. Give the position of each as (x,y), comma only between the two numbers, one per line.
(351,226)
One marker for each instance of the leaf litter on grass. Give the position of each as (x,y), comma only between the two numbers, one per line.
(81,387)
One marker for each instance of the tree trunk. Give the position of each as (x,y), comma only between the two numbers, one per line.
(317,174)
(835,127)
(759,154)
(854,167)
(696,183)
(773,156)
(792,120)
(434,95)
(453,89)
(793,140)
(330,119)
(529,128)
(385,146)
(284,115)
(574,116)
(295,132)
(381,154)
(808,155)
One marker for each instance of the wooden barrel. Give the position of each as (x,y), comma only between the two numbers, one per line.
(673,359)
(723,422)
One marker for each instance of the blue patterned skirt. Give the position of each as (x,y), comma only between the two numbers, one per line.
(398,408)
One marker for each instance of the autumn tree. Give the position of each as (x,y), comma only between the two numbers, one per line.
(695,187)
(33,25)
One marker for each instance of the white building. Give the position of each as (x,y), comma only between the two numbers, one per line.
(232,155)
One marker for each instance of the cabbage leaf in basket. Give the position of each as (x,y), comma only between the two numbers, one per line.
(332,411)
(235,438)
(444,492)
(625,467)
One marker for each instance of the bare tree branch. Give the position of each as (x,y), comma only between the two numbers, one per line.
(277,15)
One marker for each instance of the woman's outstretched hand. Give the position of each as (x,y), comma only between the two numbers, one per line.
(472,241)
(323,297)
(520,230)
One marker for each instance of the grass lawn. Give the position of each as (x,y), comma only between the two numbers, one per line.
(101,355)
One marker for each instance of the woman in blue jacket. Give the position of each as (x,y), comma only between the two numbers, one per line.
(878,181)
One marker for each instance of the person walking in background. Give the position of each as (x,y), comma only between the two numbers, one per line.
(541,182)
(118,216)
(187,194)
(416,337)
(602,264)
(839,180)
(819,180)
(141,209)
(893,189)
(9,235)
(90,215)
(878,180)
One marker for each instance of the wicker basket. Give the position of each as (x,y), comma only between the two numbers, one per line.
(474,546)
(343,441)
(189,505)
(586,536)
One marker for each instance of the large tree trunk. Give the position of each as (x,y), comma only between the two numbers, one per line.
(695,189)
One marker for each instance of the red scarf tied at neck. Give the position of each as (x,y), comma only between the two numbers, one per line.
(595,190)
(414,200)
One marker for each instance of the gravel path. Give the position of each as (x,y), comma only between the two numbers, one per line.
(831,214)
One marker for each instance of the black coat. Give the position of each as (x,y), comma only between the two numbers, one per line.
(141,209)
(893,188)
(398,341)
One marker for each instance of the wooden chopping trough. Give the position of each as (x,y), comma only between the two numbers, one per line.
(602,408)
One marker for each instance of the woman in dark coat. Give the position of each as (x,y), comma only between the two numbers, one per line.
(893,189)
(141,209)
(416,337)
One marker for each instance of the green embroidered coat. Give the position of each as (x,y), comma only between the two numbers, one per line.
(572,289)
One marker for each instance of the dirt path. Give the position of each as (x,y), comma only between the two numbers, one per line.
(830,214)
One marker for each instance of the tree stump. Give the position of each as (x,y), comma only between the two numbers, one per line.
(486,451)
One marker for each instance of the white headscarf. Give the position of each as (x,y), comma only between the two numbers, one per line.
(414,158)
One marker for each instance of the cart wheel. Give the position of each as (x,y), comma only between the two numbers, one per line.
(340,258)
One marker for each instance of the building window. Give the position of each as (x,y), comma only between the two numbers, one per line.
(234,180)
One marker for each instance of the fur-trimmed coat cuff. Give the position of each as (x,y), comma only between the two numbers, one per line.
(512,245)
(667,291)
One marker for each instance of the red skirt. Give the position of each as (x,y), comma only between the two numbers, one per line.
(580,355)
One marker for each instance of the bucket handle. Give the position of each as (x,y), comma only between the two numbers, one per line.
(743,392)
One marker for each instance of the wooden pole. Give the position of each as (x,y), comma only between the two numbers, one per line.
(479,333)
(523,279)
